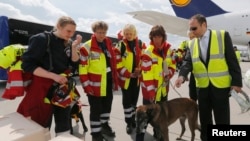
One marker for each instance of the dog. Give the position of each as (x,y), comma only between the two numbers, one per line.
(76,113)
(162,115)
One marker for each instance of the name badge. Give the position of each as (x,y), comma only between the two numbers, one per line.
(108,69)
(94,56)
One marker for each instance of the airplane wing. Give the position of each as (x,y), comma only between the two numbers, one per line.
(172,24)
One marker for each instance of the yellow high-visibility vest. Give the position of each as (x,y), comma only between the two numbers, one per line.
(95,69)
(217,70)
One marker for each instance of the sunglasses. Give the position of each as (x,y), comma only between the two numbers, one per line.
(193,28)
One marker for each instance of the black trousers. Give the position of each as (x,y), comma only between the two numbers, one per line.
(62,118)
(130,99)
(192,88)
(216,100)
(100,106)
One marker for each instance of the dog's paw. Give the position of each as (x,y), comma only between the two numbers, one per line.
(85,129)
(179,139)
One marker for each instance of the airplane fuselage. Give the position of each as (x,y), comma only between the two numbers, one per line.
(237,24)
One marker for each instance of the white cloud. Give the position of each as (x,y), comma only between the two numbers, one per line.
(85,12)
(12,12)
(44,5)
(31,2)
(133,4)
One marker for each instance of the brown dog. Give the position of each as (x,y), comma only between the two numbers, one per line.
(163,114)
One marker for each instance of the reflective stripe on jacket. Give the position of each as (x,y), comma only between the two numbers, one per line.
(17,81)
(93,69)
(125,61)
(153,72)
(217,70)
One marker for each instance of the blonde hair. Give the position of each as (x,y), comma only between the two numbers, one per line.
(63,21)
(129,27)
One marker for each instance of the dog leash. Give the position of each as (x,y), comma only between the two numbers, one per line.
(174,88)
(164,84)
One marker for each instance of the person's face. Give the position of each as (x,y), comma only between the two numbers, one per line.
(196,28)
(67,31)
(129,35)
(157,41)
(100,34)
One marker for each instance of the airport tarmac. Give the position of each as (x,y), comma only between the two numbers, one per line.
(117,115)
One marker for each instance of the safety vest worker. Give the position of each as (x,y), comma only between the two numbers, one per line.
(156,67)
(125,58)
(217,70)
(237,52)
(93,68)
(182,48)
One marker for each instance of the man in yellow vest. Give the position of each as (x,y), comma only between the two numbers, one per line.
(212,60)
(237,52)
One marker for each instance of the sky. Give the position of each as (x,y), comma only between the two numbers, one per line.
(85,12)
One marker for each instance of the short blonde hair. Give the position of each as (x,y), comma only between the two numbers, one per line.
(129,27)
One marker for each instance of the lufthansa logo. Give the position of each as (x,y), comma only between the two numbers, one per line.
(180,3)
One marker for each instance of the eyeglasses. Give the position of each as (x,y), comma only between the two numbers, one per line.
(193,28)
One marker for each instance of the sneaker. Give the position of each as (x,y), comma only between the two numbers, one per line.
(129,128)
(107,130)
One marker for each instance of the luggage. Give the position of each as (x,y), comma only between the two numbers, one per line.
(15,127)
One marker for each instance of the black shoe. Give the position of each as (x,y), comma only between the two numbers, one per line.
(134,124)
(139,137)
(107,130)
(98,137)
(129,129)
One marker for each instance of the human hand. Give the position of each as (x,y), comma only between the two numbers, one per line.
(179,81)
(88,90)
(77,41)
(137,73)
(237,89)
(60,79)
(132,75)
